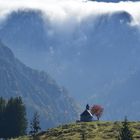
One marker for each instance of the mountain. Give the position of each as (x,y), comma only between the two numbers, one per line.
(90,50)
(38,90)
(85,58)
(125,95)
(92,130)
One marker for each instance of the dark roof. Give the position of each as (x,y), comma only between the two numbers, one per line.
(86,113)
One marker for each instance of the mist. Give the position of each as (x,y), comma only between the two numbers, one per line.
(63,11)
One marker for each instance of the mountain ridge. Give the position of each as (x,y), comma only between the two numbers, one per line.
(38,90)
(89,57)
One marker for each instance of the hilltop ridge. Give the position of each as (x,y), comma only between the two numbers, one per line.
(93,131)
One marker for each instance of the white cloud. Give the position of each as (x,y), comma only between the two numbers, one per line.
(65,11)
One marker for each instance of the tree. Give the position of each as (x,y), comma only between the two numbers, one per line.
(35,124)
(2,118)
(15,116)
(13,122)
(125,132)
(97,110)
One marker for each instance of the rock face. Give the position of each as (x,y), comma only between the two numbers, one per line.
(93,58)
(38,90)
(125,96)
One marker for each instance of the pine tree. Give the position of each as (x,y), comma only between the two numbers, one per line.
(35,124)
(13,122)
(21,116)
(2,119)
(15,115)
(125,132)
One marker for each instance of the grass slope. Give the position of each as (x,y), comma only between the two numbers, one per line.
(92,130)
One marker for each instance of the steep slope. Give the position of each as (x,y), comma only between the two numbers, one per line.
(38,90)
(125,95)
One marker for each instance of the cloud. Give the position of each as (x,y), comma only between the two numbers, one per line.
(70,11)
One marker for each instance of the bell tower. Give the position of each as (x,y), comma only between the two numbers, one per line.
(87,107)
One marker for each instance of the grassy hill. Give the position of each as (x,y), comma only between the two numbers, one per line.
(92,130)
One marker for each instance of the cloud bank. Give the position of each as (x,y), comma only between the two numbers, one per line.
(63,11)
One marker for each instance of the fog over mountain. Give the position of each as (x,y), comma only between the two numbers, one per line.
(92,48)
